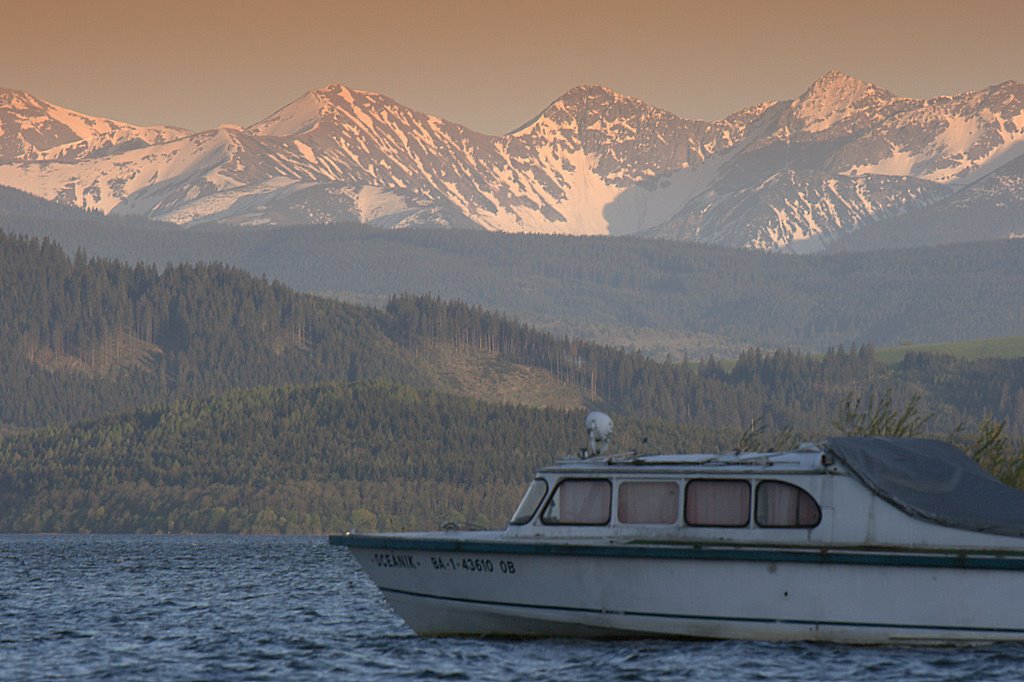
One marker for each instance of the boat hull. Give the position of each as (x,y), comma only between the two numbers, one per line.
(482,584)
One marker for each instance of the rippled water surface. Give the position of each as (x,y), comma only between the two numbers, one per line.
(185,608)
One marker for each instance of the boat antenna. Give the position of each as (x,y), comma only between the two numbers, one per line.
(599,430)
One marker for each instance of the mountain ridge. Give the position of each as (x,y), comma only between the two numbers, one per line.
(663,297)
(842,155)
(68,134)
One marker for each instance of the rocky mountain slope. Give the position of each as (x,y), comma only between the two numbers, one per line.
(34,130)
(792,175)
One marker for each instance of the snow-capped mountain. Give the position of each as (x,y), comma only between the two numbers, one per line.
(32,129)
(846,154)
(791,174)
(990,208)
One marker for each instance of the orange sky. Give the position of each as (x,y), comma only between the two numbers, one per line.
(489,65)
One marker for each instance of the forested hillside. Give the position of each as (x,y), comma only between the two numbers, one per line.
(202,390)
(327,458)
(299,460)
(85,337)
(656,296)
(780,388)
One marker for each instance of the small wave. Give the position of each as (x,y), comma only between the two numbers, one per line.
(229,609)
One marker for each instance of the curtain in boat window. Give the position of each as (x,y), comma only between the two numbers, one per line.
(648,502)
(781,505)
(717,503)
(580,502)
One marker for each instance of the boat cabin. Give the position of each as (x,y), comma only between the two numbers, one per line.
(805,497)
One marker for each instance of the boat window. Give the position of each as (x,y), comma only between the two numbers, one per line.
(717,503)
(648,502)
(781,505)
(531,500)
(582,501)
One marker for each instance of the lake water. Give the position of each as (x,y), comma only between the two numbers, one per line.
(230,608)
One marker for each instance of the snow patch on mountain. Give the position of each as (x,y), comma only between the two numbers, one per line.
(374,203)
(299,117)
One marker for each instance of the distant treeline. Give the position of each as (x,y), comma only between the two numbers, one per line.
(86,337)
(782,389)
(601,286)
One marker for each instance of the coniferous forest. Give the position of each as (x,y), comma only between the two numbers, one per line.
(198,398)
(651,294)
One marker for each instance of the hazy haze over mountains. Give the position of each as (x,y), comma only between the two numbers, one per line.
(796,175)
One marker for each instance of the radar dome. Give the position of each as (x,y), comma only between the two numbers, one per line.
(599,429)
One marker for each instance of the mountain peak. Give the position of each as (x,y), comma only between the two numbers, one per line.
(19,99)
(333,87)
(576,103)
(305,113)
(836,85)
(32,128)
(296,117)
(338,95)
(834,77)
(340,90)
(1012,88)
(582,94)
(589,99)
(10,92)
(589,89)
(834,97)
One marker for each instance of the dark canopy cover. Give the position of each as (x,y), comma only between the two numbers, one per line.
(932,480)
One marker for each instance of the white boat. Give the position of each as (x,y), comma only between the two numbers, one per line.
(859,540)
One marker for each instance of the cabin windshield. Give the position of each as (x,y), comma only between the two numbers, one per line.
(531,500)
